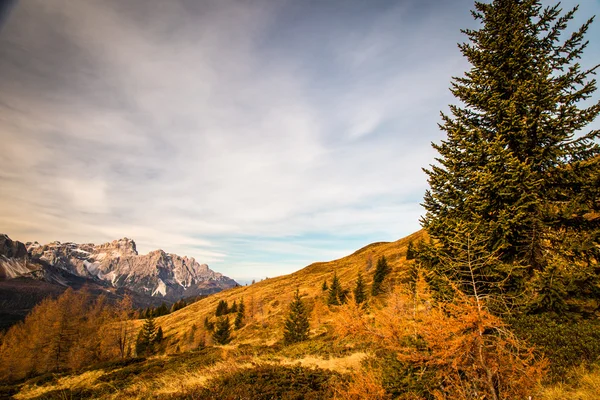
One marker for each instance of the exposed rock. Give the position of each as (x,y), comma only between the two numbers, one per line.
(12,248)
(119,264)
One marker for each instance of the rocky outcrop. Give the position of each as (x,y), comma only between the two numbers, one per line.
(119,264)
(12,248)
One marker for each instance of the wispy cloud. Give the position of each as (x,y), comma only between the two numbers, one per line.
(255,136)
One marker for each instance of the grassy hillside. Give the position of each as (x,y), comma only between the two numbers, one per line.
(254,360)
(267,301)
(256,364)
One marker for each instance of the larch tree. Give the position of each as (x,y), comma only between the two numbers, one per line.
(297,325)
(517,165)
(123,326)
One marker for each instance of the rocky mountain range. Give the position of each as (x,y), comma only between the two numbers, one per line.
(116,263)
(32,271)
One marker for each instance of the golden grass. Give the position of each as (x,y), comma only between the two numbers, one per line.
(84,380)
(267,301)
(175,381)
(266,309)
(587,387)
(346,364)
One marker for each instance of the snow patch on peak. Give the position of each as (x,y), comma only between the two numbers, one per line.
(161,288)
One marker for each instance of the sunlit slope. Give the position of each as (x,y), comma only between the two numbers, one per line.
(267,301)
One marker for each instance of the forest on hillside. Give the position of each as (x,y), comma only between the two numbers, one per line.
(498,299)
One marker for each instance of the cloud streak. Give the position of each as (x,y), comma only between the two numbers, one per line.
(257,137)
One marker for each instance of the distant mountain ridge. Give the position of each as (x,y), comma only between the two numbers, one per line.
(116,264)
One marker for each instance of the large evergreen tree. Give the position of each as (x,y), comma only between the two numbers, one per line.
(296,326)
(515,171)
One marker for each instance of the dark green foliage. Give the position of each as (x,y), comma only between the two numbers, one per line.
(222,308)
(360,290)
(222,333)
(146,338)
(567,343)
(403,380)
(161,310)
(337,295)
(233,308)
(296,326)
(239,321)
(178,305)
(325,287)
(410,251)
(239,317)
(159,336)
(381,271)
(209,325)
(266,382)
(120,375)
(514,166)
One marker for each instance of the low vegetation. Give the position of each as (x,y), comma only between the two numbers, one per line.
(499,300)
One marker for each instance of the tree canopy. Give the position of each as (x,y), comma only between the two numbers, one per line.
(517,171)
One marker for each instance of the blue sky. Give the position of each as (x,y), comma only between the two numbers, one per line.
(256,136)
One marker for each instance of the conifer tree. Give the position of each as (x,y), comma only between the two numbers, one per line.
(239,317)
(381,271)
(336,295)
(208,324)
(514,166)
(360,291)
(222,308)
(325,287)
(146,337)
(222,333)
(410,251)
(159,335)
(297,324)
(233,308)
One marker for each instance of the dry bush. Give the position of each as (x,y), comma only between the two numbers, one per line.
(363,385)
(471,351)
(587,387)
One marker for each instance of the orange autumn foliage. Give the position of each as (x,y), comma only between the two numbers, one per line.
(472,352)
(66,334)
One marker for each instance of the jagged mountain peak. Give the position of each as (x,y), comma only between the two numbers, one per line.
(11,248)
(118,263)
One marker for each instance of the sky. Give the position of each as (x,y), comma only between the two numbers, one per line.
(256,136)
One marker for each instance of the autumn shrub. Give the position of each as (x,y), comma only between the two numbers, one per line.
(265,382)
(566,343)
(468,352)
(66,334)
(363,384)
